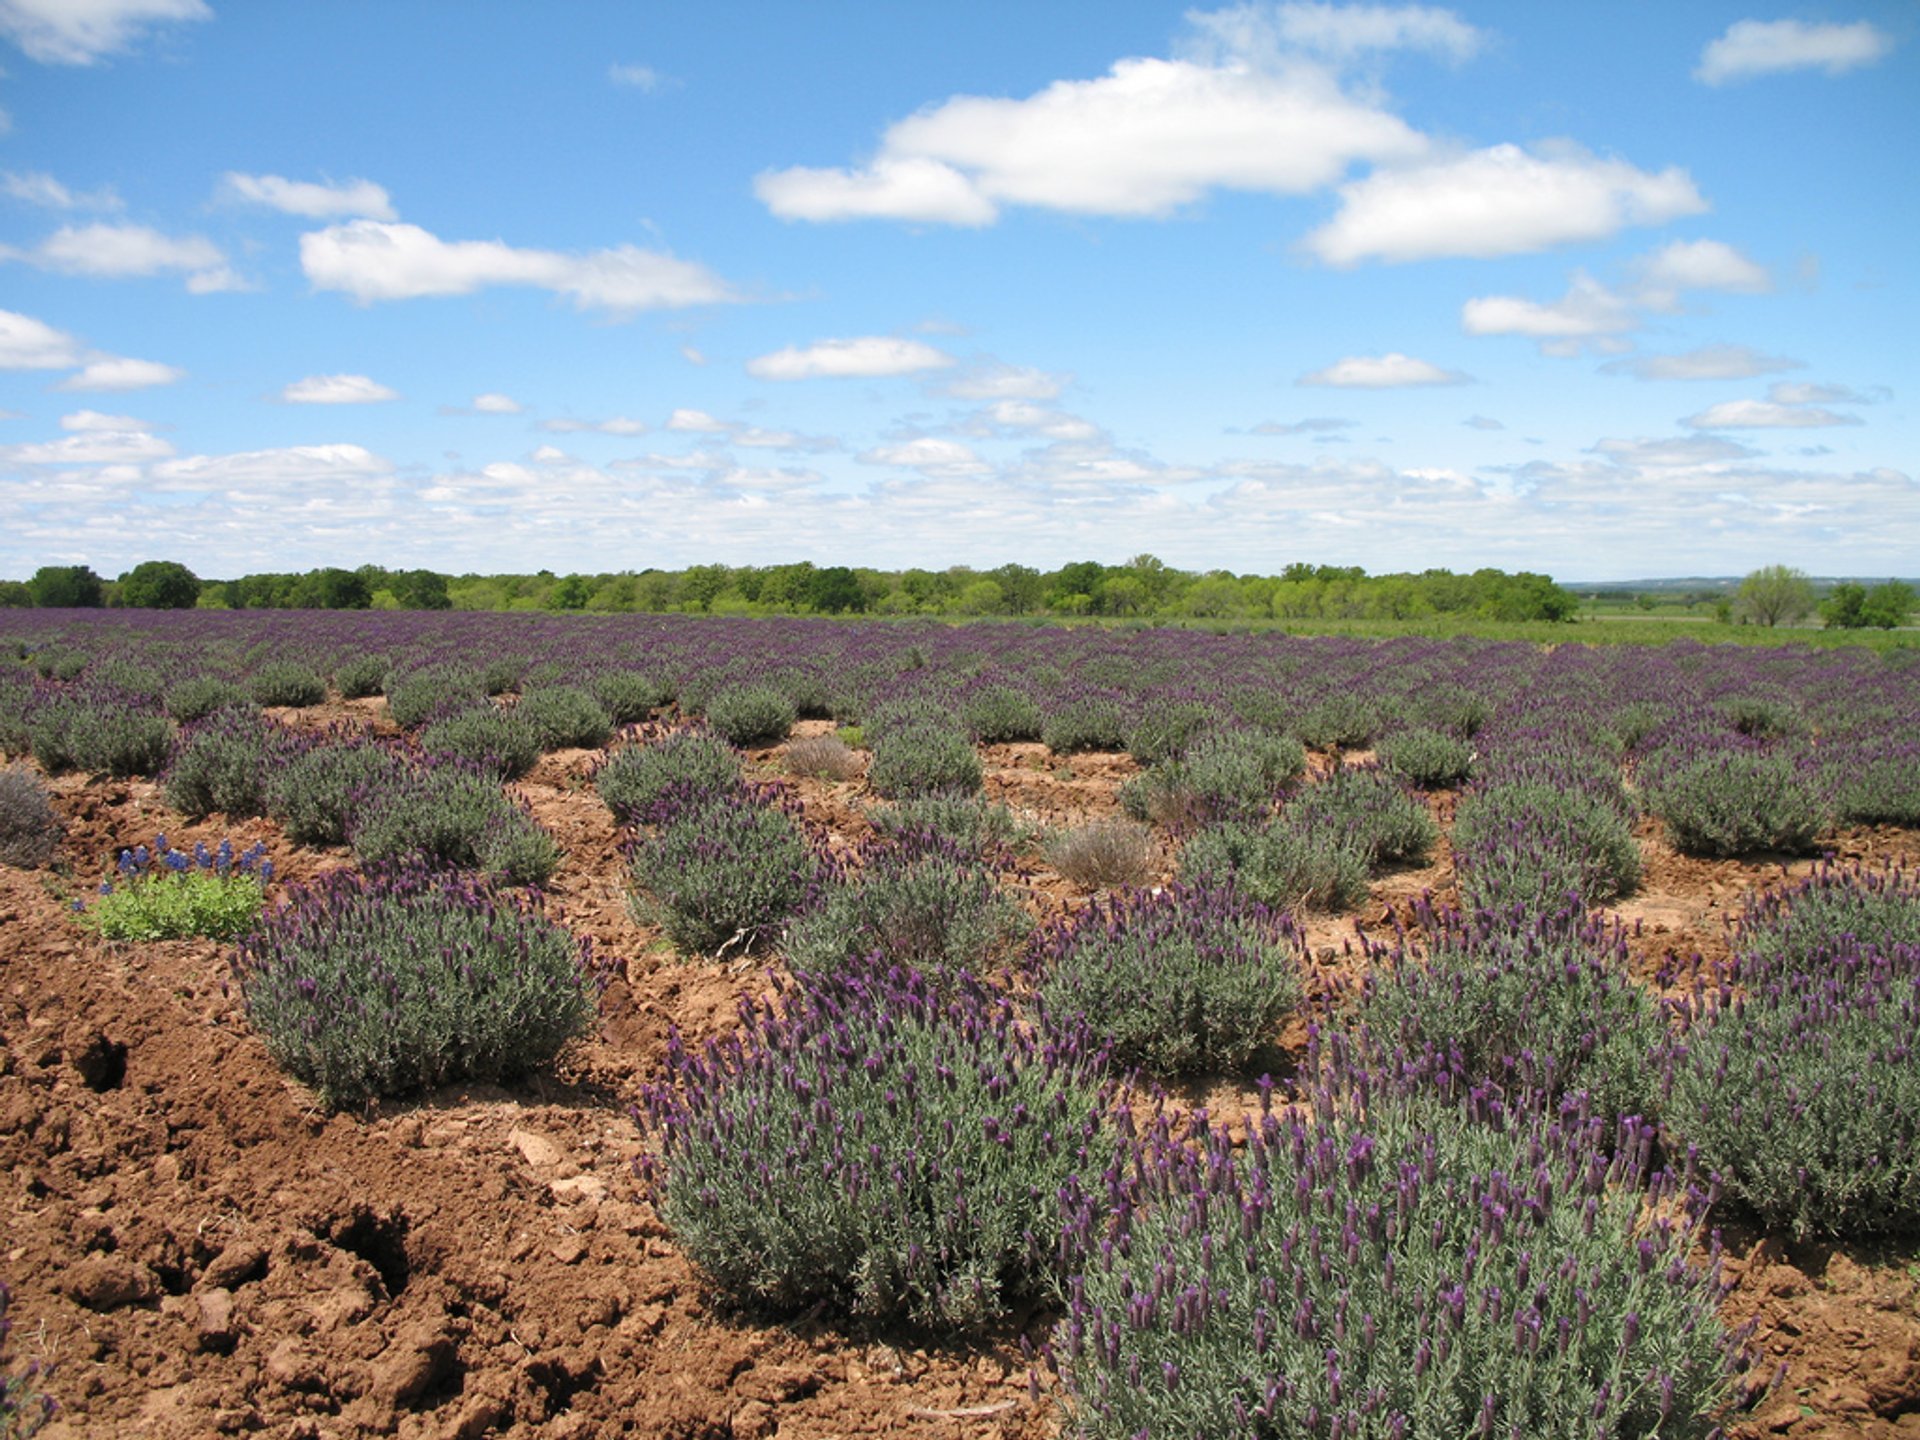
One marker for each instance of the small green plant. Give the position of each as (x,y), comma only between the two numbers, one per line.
(684,763)
(1372,809)
(1346,721)
(1164,731)
(228,763)
(1175,981)
(314,793)
(629,695)
(417,696)
(994,714)
(199,696)
(101,737)
(1525,846)
(361,676)
(1088,721)
(923,760)
(288,683)
(29,829)
(404,979)
(974,824)
(448,814)
(168,894)
(751,714)
(1430,759)
(1735,802)
(564,717)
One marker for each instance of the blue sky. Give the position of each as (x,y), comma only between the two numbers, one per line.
(1602,290)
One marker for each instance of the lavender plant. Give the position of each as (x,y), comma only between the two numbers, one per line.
(993,714)
(691,763)
(751,714)
(1371,809)
(564,717)
(168,894)
(1281,865)
(629,695)
(404,979)
(100,735)
(499,744)
(1736,801)
(448,814)
(1396,1261)
(974,824)
(1222,775)
(923,760)
(724,874)
(314,793)
(29,829)
(198,696)
(1090,720)
(24,1405)
(1526,847)
(1431,759)
(416,696)
(1175,981)
(288,683)
(360,676)
(227,763)
(878,1148)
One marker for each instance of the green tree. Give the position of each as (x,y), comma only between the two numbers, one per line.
(1775,595)
(1852,606)
(572,593)
(65,587)
(330,588)
(835,590)
(420,590)
(160,585)
(14,595)
(1889,605)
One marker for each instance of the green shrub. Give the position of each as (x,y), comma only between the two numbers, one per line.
(565,717)
(361,676)
(1281,865)
(1734,802)
(29,830)
(1428,758)
(500,744)
(974,824)
(450,815)
(1164,730)
(924,761)
(421,695)
(629,695)
(102,737)
(1454,710)
(994,714)
(315,793)
(1223,774)
(726,874)
(1372,810)
(1346,721)
(502,675)
(364,986)
(168,894)
(228,763)
(1084,722)
(1525,846)
(59,663)
(1398,1266)
(199,696)
(1175,981)
(924,904)
(288,683)
(1781,931)
(878,1149)
(751,714)
(686,763)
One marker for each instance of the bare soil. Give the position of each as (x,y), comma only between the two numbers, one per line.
(199,1250)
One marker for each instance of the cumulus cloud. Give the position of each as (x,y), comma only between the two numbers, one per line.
(1325,425)
(1340,32)
(697,422)
(87,421)
(1680,450)
(315,200)
(1382,372)
(118,372)
(1499,201)
(994,381)
(866,356)
(1587,310)
(79,32)
(1709,362)
(618,425)
(1702,265)
(494,403)
(30,344)
(1784,393)
(1482,422)
(35,188)
(120,252)
(1148,137)
(643,78)
(337,390)
(90,447)
(1751,48)
(374,260)
(930,455)
(1765,415)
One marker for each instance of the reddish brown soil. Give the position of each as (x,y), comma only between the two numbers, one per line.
(198,1250)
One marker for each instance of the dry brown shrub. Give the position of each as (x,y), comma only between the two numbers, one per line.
(822,757)
(1103,854)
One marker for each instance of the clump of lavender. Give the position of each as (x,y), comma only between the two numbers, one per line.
(29,829)
(228,762)
(100,734)
(751,714)
(416,696)
(1348,720)
(722,874)
(691,763)
(314,793)
(1373,811)
(996,713)
(976,825)
(361,676)
(879,1148)
(500,744)
(165,893)
(1163,731)
(1176,981)
(1734,800)
(1102,853)
(922,902)
(1428,758)
(24,1406)
(629,695)
(1084,720)
(198,696)
(923,760)
(1527,847)
(289,683)
(448,814)
(1782,929)
(1539,1002)
(408,978)
(1221,775)
(564,717)
(1399,1259)
(1875,778)
(822,757)
(1283,864)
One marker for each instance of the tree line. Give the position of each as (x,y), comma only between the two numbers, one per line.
(1143,586)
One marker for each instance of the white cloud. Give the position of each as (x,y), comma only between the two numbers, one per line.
(1587,309)
(1322,425)
(1782,392)
(1143,140)
(118,252)
(1703,265)
(863,357)
(1499,201)
(297,467)
(372,260)
(643,78)
(337,390)
(1765,415)
(1341,32)
(1682,450)
(930,455)
(1482,422)
(1709,362)
(618,425)
(1023,417)
(314,200)
(494,403)
(1768,47)
(1003,382)
(117,372)
(79,32)
(696,422)
(88,421)
(30,344)
(35,188)
(90,447)
(1380,372)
